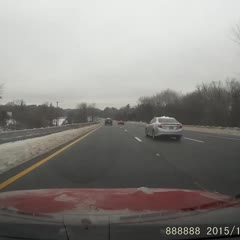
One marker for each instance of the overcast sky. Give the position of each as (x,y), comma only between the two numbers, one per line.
(112,52)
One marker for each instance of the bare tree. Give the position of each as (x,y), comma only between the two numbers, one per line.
(1,90)
(233,90)
(82,112)
(236,33)
(216,103)
(165,97)
(91,110)
(3,119)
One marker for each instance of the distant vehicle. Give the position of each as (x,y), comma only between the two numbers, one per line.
(164,126)
(108,121)
(121,122)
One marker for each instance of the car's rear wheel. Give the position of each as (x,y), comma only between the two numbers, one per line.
(146,133)
(178,138)
(153,135)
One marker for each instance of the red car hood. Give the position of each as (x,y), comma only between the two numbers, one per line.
(54,201)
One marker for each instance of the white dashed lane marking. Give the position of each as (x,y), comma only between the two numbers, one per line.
(138,139)
(195,140)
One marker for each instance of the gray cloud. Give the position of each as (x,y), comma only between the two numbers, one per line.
(112,52)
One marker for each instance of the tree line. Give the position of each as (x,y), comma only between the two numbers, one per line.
(212,104)
(84,112)
(25,116)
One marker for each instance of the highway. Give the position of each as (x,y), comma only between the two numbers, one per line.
(122,157)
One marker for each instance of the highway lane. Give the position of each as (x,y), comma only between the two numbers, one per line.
(121,156)
(212,159)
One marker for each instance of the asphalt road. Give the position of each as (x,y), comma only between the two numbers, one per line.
(121,156)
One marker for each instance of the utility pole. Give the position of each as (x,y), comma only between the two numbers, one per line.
(57,115)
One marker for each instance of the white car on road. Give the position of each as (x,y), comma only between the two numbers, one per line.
(164,126)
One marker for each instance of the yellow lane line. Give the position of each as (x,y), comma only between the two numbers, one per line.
(29,169)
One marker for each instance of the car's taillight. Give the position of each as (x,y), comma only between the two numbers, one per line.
(160,126)
(179,126)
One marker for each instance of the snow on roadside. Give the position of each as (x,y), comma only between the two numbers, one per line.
(213,130)
(204,129)
(15,153)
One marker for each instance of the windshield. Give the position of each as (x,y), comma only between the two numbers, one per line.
(167,120)
(121,108)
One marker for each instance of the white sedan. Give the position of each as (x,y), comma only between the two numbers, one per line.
(164,126)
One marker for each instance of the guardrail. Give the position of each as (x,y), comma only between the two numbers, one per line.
(15,135)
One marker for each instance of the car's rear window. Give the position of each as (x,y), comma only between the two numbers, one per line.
(167,120)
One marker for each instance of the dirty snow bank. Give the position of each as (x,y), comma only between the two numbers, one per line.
(15,153)
(213,130)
